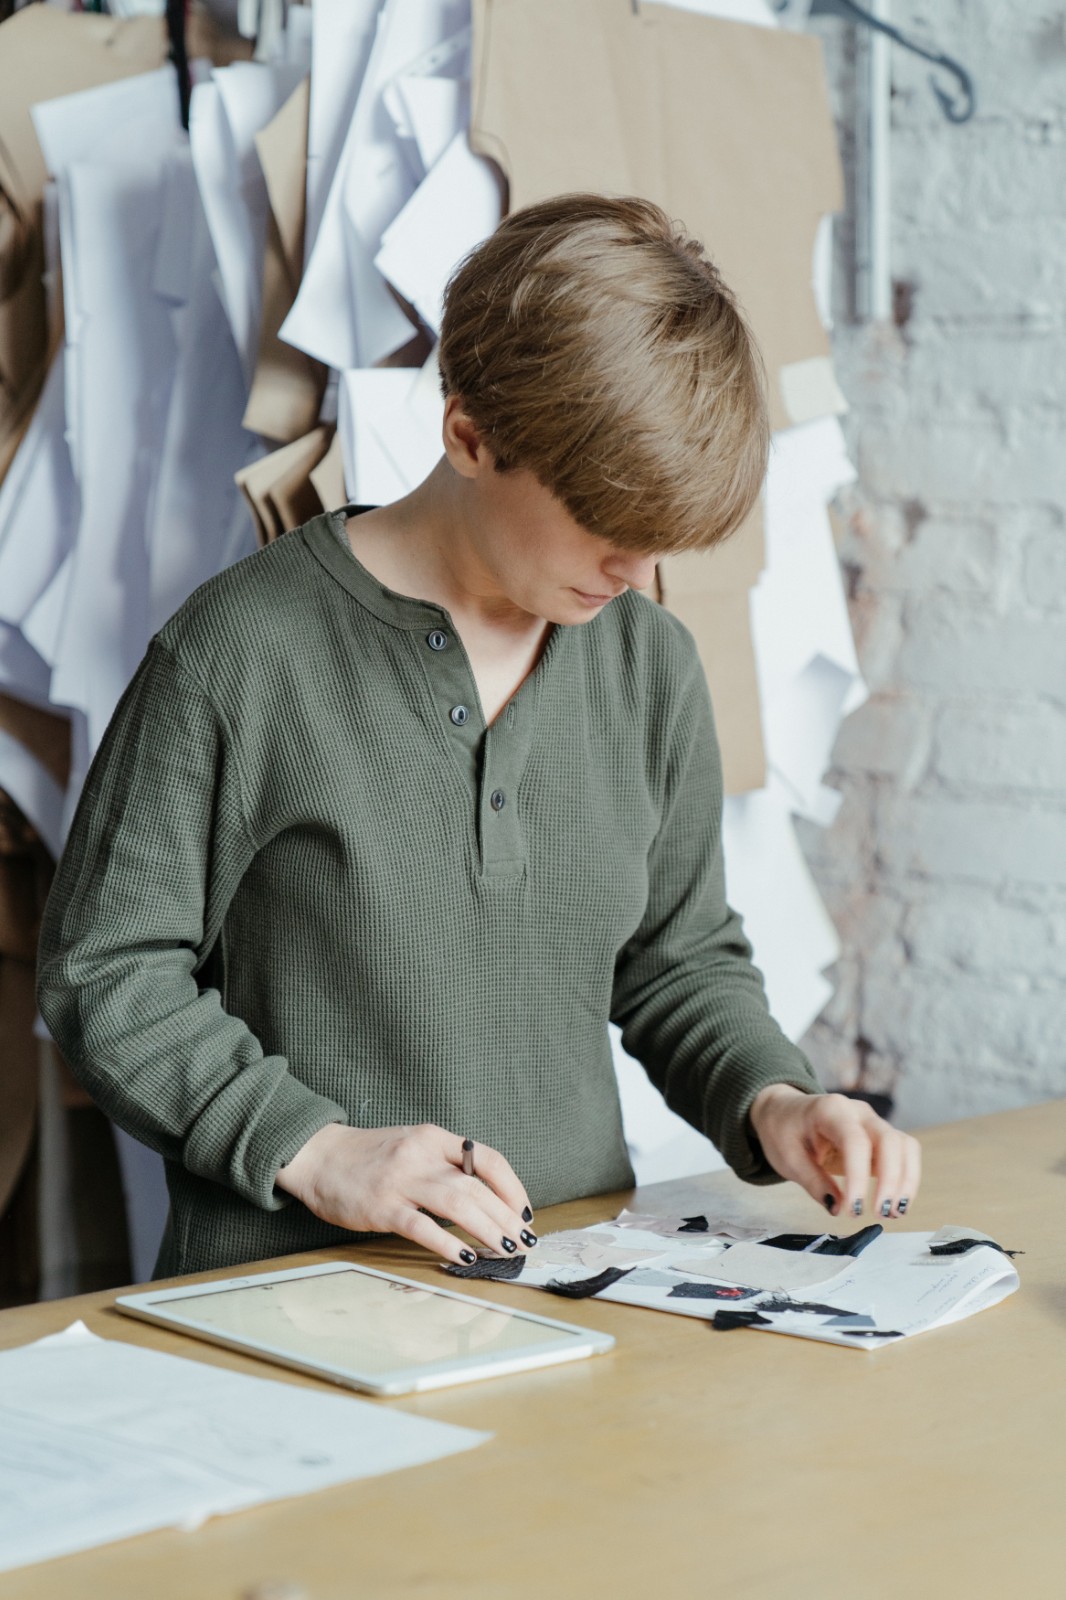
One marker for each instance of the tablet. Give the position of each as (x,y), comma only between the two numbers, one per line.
(366,1329)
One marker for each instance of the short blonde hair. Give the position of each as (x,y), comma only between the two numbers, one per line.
(594,344)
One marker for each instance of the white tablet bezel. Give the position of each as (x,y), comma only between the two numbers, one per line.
(405,1379)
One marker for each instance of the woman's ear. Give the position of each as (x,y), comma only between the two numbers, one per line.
(462,442)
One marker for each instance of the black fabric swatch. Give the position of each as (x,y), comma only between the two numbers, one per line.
(724,1320)
(585,1287)
(871,1333)
(846,1244)
(694,1225)
(689,1290)
(791,1241)
(962,1247)
(501,1267)
(779,1302)
(850,1244)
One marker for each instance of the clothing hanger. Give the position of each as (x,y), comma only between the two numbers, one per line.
(179,55)
(958,106)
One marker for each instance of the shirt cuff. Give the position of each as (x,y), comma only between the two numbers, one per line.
(293,1114)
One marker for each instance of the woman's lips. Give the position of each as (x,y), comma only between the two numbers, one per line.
(596,599)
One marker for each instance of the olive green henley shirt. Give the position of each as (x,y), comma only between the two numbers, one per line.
(306,884)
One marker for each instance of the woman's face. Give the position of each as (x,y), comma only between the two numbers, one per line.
(539,559)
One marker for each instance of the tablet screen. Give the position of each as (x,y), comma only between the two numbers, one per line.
(363,1323)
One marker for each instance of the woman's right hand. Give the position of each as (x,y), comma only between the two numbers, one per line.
(377,1180)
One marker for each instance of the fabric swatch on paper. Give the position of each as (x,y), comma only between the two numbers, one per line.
(793,1241)
(962,1247)
(871,1333)
(584,1288)
(496,1267)
(725,1320)
(710,1291)
(833,1244)
(780,1302)
(579,1247)
(697,1224)
(760,1266)
(652,1278)
(850,1244)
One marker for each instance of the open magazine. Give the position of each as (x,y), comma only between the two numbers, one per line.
(865,1289)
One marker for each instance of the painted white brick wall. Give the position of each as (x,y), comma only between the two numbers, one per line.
(946,868)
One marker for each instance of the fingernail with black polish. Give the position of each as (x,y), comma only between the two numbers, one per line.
(509,1245)
(528,1238)
(527,1215)
(904,1203)
(829,1202)
(886,1209)
(856,1209)
(468,1256)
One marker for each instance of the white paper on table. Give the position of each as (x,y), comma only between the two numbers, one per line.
(344,313)
(389,420)
(768,1267)
(457,206)
(893,1289)
(103,1440)
(722,1226)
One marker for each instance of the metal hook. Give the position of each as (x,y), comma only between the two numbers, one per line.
(955,110)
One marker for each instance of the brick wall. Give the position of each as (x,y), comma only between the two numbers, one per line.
(946,869)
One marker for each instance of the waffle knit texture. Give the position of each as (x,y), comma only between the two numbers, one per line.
(301,888)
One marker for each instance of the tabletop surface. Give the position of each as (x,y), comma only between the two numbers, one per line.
(687,1462)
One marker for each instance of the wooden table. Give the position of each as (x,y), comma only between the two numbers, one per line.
(688,1462)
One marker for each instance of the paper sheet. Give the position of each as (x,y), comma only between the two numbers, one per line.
(225,116)
(342,33)
(345,315)
(893,1289)
(38,505)
(389,424)
(456,208)
(769,882)
(287,386)
(104,1439)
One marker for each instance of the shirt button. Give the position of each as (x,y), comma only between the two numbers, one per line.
(458,715)
(497,799)
(437,640)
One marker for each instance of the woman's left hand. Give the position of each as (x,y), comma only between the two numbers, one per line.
(815,1138)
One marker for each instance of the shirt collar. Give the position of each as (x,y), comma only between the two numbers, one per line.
(327,539)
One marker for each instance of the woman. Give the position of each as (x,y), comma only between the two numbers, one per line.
(399,811)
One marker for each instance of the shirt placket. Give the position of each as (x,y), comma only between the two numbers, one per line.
(492,759)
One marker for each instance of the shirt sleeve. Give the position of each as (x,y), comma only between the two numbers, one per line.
(691,1005)
(158,846)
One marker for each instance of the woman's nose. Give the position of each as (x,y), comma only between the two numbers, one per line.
(635,570)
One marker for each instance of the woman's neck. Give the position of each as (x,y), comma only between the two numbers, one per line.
(421,546)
